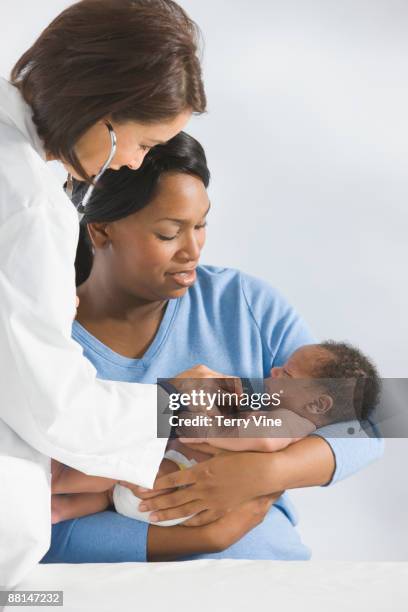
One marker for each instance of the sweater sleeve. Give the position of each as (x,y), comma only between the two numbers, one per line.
(283,331)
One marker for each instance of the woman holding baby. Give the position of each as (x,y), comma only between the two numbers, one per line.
(146,309)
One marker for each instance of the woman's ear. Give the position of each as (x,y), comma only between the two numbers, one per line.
(323,404)
(99,235)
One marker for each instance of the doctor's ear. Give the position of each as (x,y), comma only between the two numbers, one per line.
(99,234)
(321,405)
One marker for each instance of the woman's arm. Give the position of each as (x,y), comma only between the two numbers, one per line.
(170,543)
(307,463)
(351,453)
(229,479)
(317,460)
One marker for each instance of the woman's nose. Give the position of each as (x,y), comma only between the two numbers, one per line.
(191,248)
(276,372)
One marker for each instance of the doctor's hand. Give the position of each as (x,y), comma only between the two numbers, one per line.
(211,489)
(212,381)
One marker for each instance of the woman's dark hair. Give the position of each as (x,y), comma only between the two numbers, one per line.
(120,193)
(129,59)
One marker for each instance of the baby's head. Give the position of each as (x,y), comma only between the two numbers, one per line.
(337,383)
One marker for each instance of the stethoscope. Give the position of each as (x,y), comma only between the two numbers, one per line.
(81,206)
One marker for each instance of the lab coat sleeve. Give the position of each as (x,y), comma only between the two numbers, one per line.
(50,394)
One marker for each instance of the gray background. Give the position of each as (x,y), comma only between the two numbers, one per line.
(307,140)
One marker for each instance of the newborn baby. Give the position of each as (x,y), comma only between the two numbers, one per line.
(90,494)
(322,384)
(76,494)
(336,382)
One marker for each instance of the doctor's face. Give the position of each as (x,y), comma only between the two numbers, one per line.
(134,140)
(153,253)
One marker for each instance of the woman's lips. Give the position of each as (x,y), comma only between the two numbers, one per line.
(184,279)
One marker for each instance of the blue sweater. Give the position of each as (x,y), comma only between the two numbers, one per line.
(234,324)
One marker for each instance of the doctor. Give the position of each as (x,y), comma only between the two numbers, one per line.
(130,65)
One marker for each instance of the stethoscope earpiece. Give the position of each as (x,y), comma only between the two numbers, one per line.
(81,206)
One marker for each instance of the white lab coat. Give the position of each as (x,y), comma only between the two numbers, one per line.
(52,404)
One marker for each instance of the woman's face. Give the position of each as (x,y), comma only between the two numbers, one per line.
(134,140)
(152,254)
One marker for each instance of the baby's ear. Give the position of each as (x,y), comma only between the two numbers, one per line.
(321,405)
(325,403)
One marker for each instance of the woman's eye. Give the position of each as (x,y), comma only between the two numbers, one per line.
(161,237)
(197,227)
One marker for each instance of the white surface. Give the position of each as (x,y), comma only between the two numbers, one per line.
(307,141)
(230,586)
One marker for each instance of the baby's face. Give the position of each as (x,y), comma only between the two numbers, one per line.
(301,395)
(302,363)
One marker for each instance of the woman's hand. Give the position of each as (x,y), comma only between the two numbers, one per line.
(215,487)
(309,462)
(170,543)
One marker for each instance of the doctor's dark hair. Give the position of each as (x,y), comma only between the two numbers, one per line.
(130,60)
(120,193)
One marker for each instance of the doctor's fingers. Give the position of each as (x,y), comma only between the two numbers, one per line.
(210,380)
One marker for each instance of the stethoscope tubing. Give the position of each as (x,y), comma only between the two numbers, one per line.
(81,207)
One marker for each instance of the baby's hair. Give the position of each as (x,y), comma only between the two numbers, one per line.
(348,362)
